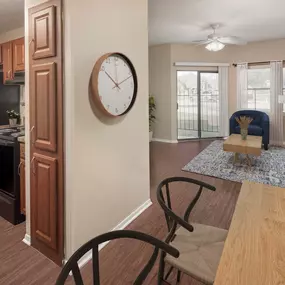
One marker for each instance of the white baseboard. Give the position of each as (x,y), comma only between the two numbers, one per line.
(123,224)
(27,239)
(164,141)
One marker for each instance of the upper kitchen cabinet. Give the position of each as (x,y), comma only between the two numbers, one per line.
(19,55)
(7,52)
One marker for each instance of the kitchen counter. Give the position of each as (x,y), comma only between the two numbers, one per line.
(10,127)
(4,127)
(21,139)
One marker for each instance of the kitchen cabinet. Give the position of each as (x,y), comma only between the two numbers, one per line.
(13,58)
(46,122)
(19,55)
(22,173)
(44,131)
(44,200)
(7,50)
(1,58)
(44,32)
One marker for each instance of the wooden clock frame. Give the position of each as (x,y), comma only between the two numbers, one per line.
(95,96)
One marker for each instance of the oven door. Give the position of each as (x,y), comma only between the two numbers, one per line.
(7,167)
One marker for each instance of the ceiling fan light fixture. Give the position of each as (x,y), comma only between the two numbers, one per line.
(215,46)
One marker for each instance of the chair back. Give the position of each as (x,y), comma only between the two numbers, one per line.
(72,263)
(257,116)
(164,200)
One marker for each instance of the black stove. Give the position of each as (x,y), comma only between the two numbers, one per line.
(9,178)
(11,134)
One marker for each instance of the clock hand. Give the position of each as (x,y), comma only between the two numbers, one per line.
(116,84)
(123,81)
(116,72)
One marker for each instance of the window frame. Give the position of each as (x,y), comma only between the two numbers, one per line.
(255,89)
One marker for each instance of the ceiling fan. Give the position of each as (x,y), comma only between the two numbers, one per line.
(216,42)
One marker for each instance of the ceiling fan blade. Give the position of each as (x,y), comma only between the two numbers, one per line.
(232,41)
(202,42)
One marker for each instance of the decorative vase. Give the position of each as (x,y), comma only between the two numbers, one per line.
(243,133)
(13,122)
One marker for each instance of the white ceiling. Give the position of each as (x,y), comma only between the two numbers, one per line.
(11,15)
(182,21)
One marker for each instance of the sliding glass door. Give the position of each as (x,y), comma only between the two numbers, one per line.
(209,104)
(187,104)
(197,104)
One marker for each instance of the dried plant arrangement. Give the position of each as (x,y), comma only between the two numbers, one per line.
(244,121)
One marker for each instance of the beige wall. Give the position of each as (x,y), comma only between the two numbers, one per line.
(257,51)
(12,35)
(160,87)
(107,166)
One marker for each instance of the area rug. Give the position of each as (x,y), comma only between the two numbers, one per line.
(269,168)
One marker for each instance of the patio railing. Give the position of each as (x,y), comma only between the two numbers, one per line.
(188,112)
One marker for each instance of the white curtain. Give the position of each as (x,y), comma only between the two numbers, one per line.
(242,94)
(276,109)
(223,100)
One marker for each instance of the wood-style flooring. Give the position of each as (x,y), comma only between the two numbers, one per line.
(121,260)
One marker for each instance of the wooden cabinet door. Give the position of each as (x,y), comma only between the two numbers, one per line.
(1,57)
(43,32)
(46,121)
(44,200)
(43,102)
(19,55)
(22,173)
(7,61)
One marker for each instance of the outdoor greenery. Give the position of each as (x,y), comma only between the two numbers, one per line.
(151,110)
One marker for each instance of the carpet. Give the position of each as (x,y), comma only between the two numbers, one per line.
(269,168)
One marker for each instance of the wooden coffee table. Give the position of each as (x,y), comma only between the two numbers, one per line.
(252,145)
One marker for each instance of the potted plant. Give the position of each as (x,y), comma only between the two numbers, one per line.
(151,116)
(13,117)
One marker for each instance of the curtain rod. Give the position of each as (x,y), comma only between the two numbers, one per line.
(200,64)
(256,62)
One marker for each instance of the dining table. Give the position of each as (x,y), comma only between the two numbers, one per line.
(254,250)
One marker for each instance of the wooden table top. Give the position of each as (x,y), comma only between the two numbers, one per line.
(254,252)
(252,145)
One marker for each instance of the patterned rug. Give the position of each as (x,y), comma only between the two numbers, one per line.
(269,168)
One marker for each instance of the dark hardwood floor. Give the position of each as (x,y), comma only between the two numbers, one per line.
(121,260)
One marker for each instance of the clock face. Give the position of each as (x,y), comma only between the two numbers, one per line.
(116,85)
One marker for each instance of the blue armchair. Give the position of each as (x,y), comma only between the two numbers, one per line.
(258,127)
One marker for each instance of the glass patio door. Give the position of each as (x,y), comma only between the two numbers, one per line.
(197,104)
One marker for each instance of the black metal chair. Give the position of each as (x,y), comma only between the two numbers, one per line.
(72,265)
(200,246)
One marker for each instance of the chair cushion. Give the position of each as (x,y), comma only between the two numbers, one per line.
(256,120)
(200,251)
(252,130)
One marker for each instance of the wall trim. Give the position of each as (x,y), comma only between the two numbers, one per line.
(123,224)
(164,140)
(27,240)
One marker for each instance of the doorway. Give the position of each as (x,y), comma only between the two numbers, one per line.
(198,104)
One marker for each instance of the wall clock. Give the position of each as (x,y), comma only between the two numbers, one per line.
(114,84)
